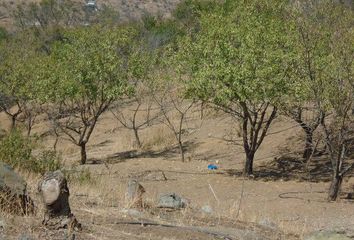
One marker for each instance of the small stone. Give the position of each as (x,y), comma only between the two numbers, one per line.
(207,209)
(265,222)
(132,212)
(25,237)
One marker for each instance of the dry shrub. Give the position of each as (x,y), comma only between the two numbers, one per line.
(158,138)
(14,203)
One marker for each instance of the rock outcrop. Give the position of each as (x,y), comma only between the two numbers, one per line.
(13,192)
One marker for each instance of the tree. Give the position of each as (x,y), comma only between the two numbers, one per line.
(339,93)
(325,73)
(16,75)
(308,124)
(174,108)
(140,115)
(238,61)
(85,74)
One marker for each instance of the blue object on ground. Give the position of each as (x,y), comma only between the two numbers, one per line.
(212,167)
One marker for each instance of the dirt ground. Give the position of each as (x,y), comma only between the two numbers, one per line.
(282,201)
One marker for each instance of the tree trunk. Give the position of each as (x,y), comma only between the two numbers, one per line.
(308,145)
(335,187)
(55,195)
(181,150)
(83,153)
(137,138)
(249,163)
(13,122)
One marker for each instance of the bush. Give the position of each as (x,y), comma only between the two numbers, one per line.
(48,161)
(82,177)
(16,150)
(3,34)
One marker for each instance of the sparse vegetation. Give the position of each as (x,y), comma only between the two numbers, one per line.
(17,151)
(282,72)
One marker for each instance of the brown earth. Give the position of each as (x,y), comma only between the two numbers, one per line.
(283,201)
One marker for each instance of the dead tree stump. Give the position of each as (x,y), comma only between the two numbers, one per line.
(134,194)
(55,195)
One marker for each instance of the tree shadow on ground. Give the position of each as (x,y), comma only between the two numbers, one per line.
(167,153)
(287,168)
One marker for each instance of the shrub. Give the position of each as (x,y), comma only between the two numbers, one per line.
(3,34)
(48,161)
(16,150)
(81,177)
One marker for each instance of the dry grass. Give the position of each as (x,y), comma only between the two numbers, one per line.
(158,138)
(97,191)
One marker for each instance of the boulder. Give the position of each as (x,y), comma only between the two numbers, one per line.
(25,237)
(13,192)
(171,200)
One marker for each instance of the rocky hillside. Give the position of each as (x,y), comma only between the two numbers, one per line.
(128,9)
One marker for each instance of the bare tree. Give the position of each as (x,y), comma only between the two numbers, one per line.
(174,109)
(141,115)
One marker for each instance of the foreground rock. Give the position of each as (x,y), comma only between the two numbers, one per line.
(55,194)
(13,192)
(134,194)
(171,200)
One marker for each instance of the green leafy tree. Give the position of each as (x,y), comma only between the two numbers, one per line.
(238,61)
(84,74)
(16,75)
(324,75)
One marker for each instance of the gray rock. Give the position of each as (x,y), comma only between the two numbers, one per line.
(134,194)
(207,209)
(25,237)
(132,212)
(171,200)
(14,197)
(265,222)
(327,235)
